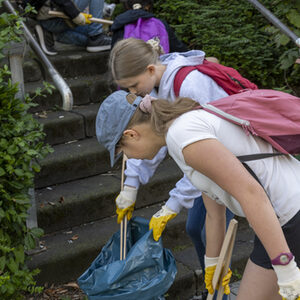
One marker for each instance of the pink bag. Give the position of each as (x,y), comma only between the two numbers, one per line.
(229,79)
(270,114)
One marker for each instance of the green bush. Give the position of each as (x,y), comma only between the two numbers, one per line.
(21,145)
(287,12)
(234,32)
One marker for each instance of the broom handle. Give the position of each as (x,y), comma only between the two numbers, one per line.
(60,14)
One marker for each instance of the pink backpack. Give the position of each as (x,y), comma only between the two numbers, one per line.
(269,114)
(227,78)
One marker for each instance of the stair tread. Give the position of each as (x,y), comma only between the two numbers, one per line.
(30,87)
(73,150)
(93,197)
(71,161)
(65,126)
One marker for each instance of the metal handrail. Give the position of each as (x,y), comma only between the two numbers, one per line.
(276,22)
(58,81)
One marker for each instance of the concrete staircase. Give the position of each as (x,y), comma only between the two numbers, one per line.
(76,187)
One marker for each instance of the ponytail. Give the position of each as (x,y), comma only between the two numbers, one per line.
(164,111)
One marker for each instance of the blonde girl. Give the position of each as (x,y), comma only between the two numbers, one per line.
(137,66)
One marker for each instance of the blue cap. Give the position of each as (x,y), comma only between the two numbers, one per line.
(112,119)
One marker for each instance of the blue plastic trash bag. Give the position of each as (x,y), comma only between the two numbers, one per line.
(147,272)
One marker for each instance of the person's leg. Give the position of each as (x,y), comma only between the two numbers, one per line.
(65,34)
(229,216)
(96,41)
(72,37)
(45,31)
(96,10)
(258,283)
(55,25)
(77,36)
(195,228)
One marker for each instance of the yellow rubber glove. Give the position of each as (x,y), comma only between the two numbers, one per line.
(286,299)
(87,18)
(82,19)
(159,221)
(125,203)
(210,267)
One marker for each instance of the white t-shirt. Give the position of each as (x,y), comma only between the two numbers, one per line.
(279,175)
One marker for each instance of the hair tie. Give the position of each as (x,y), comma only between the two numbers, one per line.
(137,6)
(145,104)
(155,44)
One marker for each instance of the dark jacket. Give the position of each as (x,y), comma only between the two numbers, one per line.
(131,16)
(67,6)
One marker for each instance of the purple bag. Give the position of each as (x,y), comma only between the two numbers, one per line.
(147,29)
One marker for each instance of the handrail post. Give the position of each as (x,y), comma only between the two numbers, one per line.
(15,53)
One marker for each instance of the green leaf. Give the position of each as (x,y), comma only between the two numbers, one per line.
(12,265)
(283,39)
(2,213)
(19,254)
(294,17)
(12,149)
(37,232)
(2,172)
(32,152)
(29,241)
(36,167)
(19,172)
(2,263)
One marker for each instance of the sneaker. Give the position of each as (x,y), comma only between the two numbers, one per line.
(108,9)
(46,40)
(98,43)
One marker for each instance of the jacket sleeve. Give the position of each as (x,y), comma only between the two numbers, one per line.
(183,195)
(175,44)
(140,171)
(117,35)
(69,7)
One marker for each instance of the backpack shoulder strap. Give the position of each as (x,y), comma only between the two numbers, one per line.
(180,76)
(256,156)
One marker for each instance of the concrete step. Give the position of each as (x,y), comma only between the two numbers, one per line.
(32,69)
(71,62)
(61,126)
(76,62)
(85,90)
(93,198)
(73,251)
(73,161)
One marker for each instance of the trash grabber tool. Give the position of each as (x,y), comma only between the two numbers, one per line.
(123,225)
(224,260)
(62,15)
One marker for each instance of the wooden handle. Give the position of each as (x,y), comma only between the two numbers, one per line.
(62,15)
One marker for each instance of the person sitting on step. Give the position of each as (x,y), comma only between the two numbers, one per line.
(77,30)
